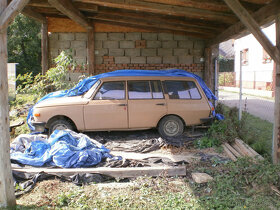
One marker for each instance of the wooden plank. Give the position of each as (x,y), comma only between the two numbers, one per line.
(27,11)
(90,51)
(229,153)
(67,8)
(7,196)
(10,12)
(237,148)
(230,148)
(276,126)
(254,28)
(244,148)
(44,48)
(114,172)
(252,153)
(264,15)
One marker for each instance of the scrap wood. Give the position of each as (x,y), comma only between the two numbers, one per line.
(229,153)
(113,172)
(273,188)
(232,150)
(253,152)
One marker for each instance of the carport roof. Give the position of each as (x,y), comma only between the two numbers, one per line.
(212,20)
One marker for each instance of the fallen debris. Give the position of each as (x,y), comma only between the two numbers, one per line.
(201,177)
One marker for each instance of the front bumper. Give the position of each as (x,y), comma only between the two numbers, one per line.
(39,126)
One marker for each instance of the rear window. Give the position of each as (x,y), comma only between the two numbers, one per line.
(111,91)
(182,90)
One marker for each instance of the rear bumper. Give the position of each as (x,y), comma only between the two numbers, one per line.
(207,119)
(39,126)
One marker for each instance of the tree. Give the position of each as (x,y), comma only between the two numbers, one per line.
(24,45)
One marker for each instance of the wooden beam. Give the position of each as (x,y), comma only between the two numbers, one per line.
(10,12)
(264,15)
(27,11)
(7,193)
(67,8)
(137,5)
(44,48)
(254,28)
(114,172)
(90,52)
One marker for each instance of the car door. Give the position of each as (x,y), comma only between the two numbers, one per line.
(146,103)
(108,108)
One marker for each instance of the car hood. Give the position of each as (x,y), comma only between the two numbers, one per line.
(63,101)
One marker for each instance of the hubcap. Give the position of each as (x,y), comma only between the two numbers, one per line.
(171,128)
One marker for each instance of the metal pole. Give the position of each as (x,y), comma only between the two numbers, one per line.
(216,81)
(240,88)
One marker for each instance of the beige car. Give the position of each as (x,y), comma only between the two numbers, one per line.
(128,103)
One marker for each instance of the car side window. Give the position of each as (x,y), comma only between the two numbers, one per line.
(157,89)
(139,90)
(111,91)
(182,90)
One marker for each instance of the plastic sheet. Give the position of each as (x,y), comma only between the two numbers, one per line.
(87,83)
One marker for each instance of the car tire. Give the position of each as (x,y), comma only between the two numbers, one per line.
(60,124)
(171,126)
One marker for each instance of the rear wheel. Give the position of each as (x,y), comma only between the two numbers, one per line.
(60,124)
(171,126)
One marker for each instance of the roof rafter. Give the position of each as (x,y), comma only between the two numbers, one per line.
(27,11)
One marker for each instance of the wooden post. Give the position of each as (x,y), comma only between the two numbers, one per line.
(210,55)
(90,52)
(44,48)
(276,129)
(7,195)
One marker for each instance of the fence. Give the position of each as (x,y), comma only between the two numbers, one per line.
(227,79)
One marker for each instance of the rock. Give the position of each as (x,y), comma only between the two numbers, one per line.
(201,177)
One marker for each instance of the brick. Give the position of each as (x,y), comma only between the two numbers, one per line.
(60,44)
(116,36)
(133,36)
(98,44)
(101,36)
(80,61)
(138,60)
(101,52)
(198,45)
(81,52)
(111,44)
(186,44)
(179,37)
(53,36)
(170,59)
(165,52)
(188,59)
(179,52)
(154,60)
(122,59)
(127,44)
(66,36)
(153,44)
(165,36)
(169,44)
(116,52)
(98,59)
(149,36)
(78,44)
(148,52)
(81,36)
(132,52)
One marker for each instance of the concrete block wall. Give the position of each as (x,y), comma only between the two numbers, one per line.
(133,50)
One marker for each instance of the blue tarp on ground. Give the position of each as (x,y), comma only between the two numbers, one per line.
(65,149)
(87,83)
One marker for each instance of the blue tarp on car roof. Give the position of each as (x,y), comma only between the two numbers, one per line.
(87,83)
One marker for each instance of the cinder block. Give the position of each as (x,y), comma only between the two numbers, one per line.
(132,52)
(81,36)
(78,44)
(179,52)
(170,60)
(165,52)
(53,36)
(148,52)
(179,37)
(116,52)
(199,44)
(53,53)
(111,44)
(188,44)
(149,36)
(169,44)
(60,44)
(196,59)
(123,59)
(101,36)
(116,36)
(80,61)
(154,60)
(98,44)
(66,36)
(165,36)
(133,36)
(98,59)
(188,59)
(153,44)
(197,52)
(81,52)
(140,60)
(101,52)
(127,44)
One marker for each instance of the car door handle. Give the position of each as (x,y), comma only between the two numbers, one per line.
(122,105)
(160,104)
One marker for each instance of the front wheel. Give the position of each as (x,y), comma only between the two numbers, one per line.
(171,126)
(60,124)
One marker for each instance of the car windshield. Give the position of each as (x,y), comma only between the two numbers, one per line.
(91,90)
